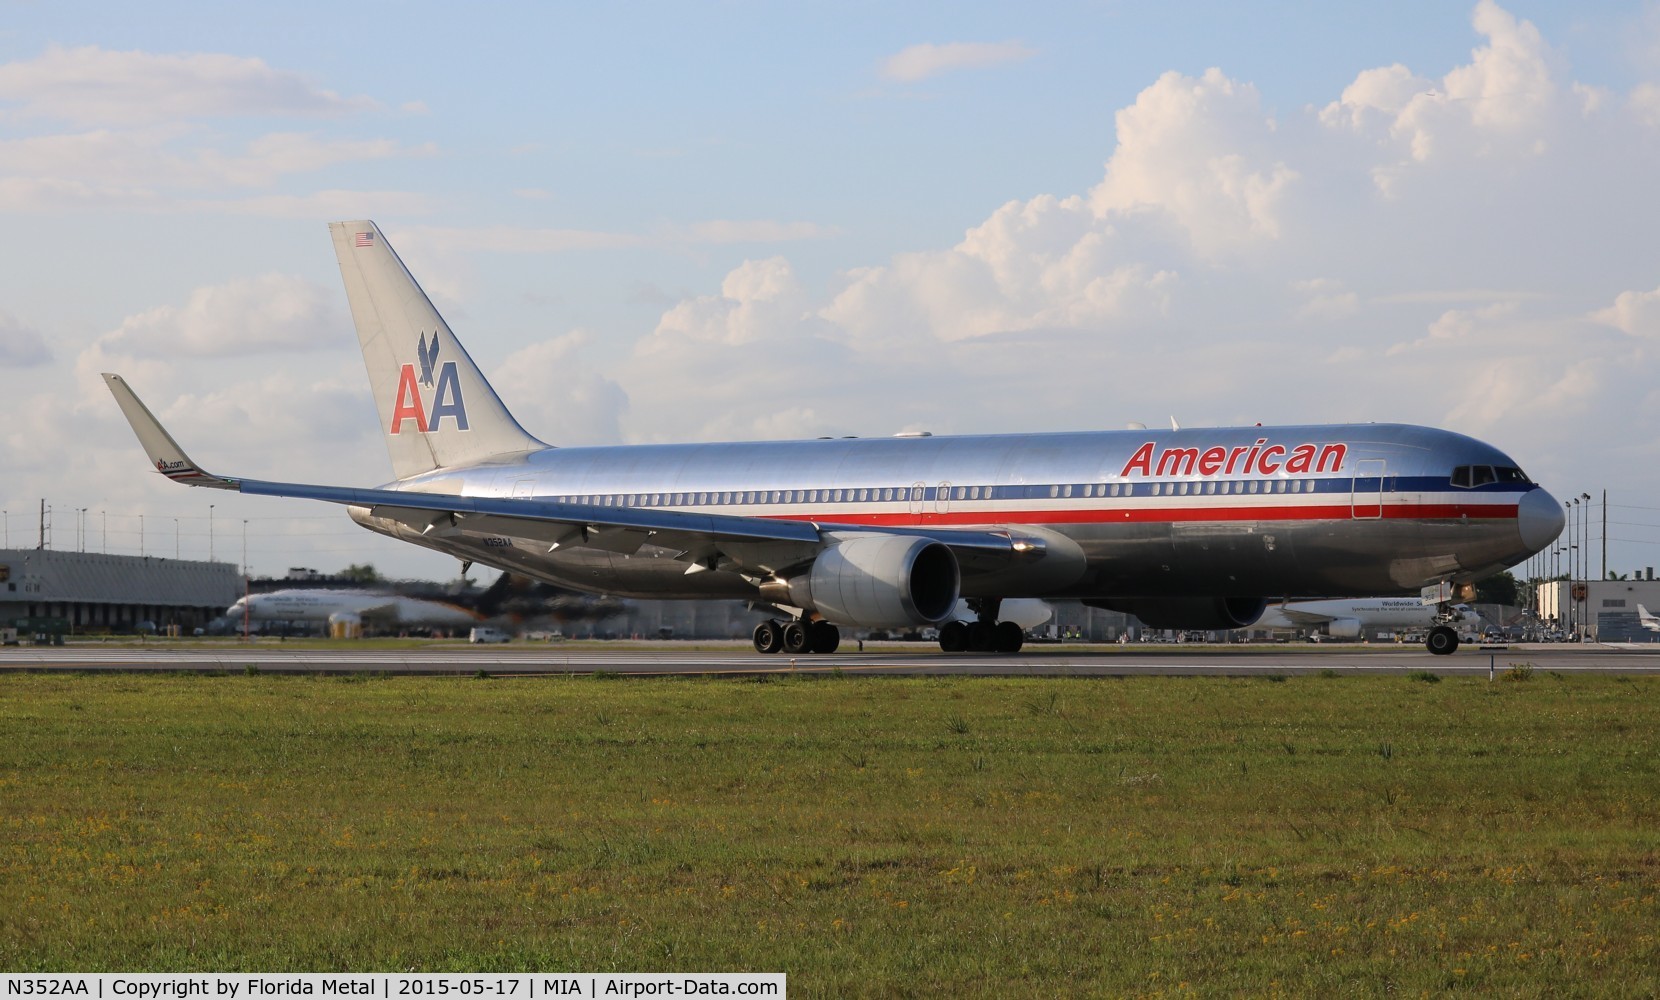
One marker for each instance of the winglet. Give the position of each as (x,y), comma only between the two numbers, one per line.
(165,453)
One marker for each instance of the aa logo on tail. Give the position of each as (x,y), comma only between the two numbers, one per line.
(446,395)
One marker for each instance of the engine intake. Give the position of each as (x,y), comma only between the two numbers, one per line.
(879,581)
(1199,613)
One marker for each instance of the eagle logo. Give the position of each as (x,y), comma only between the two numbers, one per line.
(428,356)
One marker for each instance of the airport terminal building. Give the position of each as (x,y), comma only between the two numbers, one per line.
(1604,610)
(97,592)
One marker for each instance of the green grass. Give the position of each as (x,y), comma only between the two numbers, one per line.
(887,836)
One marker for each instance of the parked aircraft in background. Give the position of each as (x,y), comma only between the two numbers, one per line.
(1191,528)
(1647,619)
(1025,612)
(319,605)
(1359,619)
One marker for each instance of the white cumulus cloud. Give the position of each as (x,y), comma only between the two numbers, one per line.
(93,85)
(1499,103)
(1201,153)
(21,346)
(1636,313)
(270,314)
(556,394)
(919,62)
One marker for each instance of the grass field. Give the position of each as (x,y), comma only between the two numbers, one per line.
(868,836)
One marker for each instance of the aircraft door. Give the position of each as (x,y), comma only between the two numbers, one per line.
(918,492)
(1366,501)
(524,488)
(942,499)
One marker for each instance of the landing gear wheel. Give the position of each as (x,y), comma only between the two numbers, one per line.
(979,637)
(954,637)
(768,637)
(823,637)
(795,638)
(1008,638)
(1442,640)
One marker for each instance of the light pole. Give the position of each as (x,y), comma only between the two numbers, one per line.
(1573,565)
(247,582)
(1585,563)
(175,538)
(1556,585)
(1574,557)
(141,534)
(210,531)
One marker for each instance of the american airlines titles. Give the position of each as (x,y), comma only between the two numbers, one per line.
(1259,459)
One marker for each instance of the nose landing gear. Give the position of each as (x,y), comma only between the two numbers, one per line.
(1443,640)
(1443,637)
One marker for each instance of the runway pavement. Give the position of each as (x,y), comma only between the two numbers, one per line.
(690,658)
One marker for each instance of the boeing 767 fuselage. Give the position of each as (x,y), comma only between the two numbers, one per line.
(1194,528)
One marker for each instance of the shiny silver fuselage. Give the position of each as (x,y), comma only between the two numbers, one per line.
(1368,509)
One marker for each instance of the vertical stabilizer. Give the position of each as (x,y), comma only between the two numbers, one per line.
(436,409)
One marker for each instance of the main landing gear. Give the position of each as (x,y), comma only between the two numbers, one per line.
(796,637)
(983,635)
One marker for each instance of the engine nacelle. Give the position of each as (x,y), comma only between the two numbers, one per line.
(345,625)
(879,581)
(1344,628)
(1198,613)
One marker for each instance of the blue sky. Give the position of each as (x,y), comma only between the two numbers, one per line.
(745,220)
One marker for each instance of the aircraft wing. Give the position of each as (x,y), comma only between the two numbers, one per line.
(705,541)
(385,607)
(1304,619)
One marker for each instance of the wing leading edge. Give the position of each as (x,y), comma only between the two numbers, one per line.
(705,541)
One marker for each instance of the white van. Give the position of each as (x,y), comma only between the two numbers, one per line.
(485,633)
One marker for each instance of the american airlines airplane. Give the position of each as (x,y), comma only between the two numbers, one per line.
(1356,619)
(1192,528)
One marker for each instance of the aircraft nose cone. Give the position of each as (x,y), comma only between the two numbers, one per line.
(1539,519)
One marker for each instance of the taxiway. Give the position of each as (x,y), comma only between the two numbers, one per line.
(674,658)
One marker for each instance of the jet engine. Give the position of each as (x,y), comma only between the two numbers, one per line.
(1199,613)
(345,625)
(875,581)
(1344,628)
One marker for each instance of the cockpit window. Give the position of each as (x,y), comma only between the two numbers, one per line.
(1469,476)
